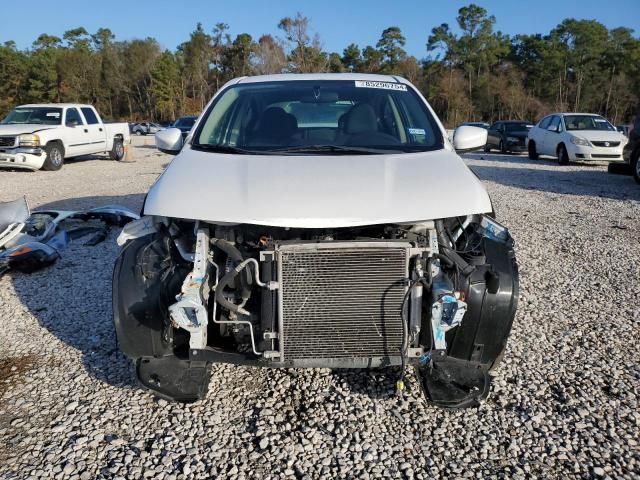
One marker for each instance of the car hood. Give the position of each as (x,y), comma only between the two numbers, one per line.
(18,128)
(316,191)
(598,135)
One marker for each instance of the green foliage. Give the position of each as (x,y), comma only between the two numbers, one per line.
(471,72)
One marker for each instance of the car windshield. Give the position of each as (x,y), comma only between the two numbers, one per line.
(39,115)
(326,117)
(518,127)
(587,122)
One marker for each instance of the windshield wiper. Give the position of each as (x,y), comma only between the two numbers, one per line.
(225,149)
(331,148)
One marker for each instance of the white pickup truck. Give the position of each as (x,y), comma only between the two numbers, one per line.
(44,135)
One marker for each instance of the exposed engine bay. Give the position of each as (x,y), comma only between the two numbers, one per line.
(435,293)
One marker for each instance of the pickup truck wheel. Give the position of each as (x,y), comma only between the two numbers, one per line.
(117,151)
(55,157)
(563,156)
(533,154)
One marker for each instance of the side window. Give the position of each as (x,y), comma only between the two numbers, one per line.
(73,117)
(544,123)
(553,125)
(495,126)
(89,116)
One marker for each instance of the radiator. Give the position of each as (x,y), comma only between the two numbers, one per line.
(341,300)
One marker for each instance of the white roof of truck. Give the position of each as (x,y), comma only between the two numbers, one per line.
(56,105)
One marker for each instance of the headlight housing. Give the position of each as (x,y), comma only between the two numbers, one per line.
(29,140)
(580,141)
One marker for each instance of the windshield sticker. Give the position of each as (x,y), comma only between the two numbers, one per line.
(53,114)
(416,131)
(384,85)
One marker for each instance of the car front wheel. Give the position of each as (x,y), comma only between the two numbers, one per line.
(563,155)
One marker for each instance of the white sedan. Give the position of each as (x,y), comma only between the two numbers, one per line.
(575,136)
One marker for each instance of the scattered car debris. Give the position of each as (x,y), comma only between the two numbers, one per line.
(30,241)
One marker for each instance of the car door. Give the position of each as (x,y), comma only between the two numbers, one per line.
(74,133)
(552,136)
(493,135)
(96,135)
(540,134)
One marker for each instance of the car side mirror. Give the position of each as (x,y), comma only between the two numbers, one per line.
(169,140)
(467,138)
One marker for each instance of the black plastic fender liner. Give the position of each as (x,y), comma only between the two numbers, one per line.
(492,297)
(147,276)
(174,379)
(453,383)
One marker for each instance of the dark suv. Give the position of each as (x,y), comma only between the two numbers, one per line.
(508,136)
(185,124)
(631,152)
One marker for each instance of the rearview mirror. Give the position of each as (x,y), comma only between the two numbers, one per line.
(467,138)
(169,140)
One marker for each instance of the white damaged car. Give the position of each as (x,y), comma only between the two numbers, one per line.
(319,220)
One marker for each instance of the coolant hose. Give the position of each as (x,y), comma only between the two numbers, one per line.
(232,252)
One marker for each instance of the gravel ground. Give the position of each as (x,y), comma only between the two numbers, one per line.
(564,402)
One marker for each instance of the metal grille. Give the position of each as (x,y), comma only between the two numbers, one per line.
(7,141)
(342,300)
(606,144)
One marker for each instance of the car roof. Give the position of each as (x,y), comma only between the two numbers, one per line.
(284,77)
(56,105)
(513,121)
(575,113)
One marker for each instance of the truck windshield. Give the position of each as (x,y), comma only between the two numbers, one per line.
(322,117)
(37,115)
(587,122)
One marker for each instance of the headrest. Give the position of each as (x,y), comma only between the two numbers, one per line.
(361,119)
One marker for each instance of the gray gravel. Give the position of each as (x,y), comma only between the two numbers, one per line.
(564,402)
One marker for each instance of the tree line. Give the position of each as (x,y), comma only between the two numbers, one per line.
(470,73)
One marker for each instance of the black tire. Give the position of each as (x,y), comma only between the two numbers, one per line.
(563,156)
(55,156)
(635,165)
(117,151)
(533,153)
(487,148)
(502,149)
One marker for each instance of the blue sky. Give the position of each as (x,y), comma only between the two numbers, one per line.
(338,22)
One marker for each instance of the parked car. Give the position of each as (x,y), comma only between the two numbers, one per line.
(272,241)
(185,124)
(146,128)
(631,153)
(44,135)
(484,125)
(508,136)
(575,136)
(624,129)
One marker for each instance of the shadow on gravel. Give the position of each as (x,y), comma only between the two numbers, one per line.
(590,181)
(72,298)
(376,383)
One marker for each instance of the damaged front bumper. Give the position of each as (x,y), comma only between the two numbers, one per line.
(24,158)
(329,304)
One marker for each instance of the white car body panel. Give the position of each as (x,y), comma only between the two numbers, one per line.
(83,139)
(316,191)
